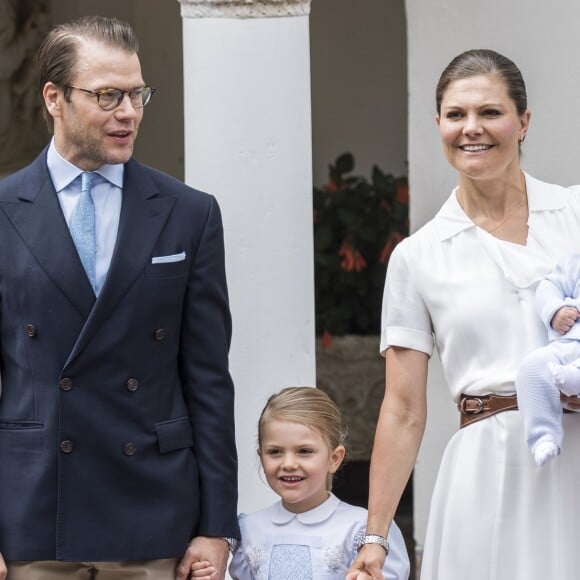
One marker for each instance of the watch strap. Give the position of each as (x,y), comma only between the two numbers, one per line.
(374,539)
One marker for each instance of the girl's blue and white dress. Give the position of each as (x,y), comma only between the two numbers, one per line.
(315,545)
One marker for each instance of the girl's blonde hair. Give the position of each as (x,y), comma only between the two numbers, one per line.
(308,406)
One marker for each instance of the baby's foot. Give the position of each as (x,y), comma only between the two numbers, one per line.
(545,451)
(555,375)
(565,378)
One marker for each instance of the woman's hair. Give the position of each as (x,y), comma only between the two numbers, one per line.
(57,55)
(484,62)
(310,407)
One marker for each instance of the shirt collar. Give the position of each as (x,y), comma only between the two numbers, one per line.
(280,515)
(451,219)
(63,172)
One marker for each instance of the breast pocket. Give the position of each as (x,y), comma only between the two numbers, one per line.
(167,269)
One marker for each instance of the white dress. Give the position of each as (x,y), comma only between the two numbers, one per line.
(319,543)
(494,514)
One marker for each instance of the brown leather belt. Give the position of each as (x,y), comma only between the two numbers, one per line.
(472,409)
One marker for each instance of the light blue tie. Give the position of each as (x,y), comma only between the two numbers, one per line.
(82,227)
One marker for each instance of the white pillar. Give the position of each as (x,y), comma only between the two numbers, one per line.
(248,142)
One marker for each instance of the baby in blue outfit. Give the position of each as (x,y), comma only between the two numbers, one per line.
(555,368)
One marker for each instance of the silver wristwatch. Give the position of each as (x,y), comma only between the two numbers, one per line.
(232,543)
(373,539)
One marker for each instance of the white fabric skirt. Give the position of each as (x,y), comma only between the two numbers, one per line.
(495,515)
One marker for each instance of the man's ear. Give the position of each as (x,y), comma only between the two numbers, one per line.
(53,99)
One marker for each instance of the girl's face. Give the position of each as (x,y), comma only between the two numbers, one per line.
(296,461)
(480,127)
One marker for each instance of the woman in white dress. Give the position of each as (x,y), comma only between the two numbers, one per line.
(464,284)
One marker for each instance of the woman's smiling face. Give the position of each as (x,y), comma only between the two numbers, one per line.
(480,127)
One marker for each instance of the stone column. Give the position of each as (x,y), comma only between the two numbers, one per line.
(248,142)
(22,129)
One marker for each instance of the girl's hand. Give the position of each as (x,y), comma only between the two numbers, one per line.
(203,569)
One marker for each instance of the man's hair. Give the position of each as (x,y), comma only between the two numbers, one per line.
(57,55)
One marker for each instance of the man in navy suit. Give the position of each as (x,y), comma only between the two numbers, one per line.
(117,448)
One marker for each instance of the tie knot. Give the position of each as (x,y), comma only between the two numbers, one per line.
(87,179)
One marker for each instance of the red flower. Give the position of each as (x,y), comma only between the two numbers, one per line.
(326,339)
(351,259)
(389,246)
(331,186)
(402,193)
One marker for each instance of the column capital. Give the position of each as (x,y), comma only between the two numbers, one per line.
(243,8)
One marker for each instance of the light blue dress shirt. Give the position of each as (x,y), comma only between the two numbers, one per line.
(107,196)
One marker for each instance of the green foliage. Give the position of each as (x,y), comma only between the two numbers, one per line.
(357,224)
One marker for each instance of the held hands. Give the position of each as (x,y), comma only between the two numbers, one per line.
(368,564)
(564,319)
(205,559)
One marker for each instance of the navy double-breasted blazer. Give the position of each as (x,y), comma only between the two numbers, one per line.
(116,413)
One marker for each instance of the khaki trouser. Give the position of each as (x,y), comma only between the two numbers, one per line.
(53,570)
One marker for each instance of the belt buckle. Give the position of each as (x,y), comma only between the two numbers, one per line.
(465,405)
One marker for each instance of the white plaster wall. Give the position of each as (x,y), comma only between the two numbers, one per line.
(247,122)
(540,38)
(359,84)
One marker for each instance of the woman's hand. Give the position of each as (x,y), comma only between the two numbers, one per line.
(368,564)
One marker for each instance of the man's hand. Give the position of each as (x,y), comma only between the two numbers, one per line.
(205,558)
(368,564)
(3,571)
(564,319)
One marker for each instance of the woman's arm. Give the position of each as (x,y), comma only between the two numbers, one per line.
(398,437)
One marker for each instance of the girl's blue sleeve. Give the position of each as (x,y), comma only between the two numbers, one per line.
(397,565)
(239,568)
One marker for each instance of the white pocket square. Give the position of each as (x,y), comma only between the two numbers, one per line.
(168,259)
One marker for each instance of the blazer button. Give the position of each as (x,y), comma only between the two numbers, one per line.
(66,446)
(30,330)
(132,385)
(129,449)
(65,384)
(160,334)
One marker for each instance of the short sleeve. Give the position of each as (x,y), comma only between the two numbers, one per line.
(405,321)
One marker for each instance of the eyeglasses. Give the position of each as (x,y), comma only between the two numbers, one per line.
(109,99)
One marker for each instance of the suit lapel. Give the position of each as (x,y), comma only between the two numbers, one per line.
(35,213)
(144,213)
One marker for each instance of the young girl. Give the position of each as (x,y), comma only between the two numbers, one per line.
(310,533)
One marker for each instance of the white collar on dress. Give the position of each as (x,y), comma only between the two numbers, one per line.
(451,219)
(280,515)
